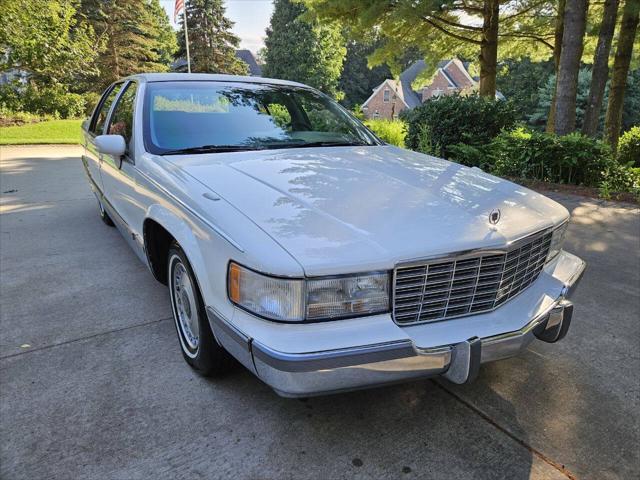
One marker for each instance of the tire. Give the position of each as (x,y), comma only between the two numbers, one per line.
(104,216)
(199,347)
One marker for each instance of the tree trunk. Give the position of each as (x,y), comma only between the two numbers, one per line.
(575,22)
(557,48)
(600,70)
(628,28)
(489,48)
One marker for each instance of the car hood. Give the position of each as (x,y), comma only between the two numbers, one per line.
(345,209)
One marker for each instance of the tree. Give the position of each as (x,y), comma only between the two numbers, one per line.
(557,49)
(521,82)
(303,50)
(621,64)
(46,39)
(357,80)
(135,37)
(446,28)
(212,44)
(600,69)
(575,22)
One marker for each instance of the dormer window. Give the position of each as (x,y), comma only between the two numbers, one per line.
(386,95)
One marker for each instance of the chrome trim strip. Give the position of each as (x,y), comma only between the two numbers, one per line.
(223,325)
(330,359)
(213,227)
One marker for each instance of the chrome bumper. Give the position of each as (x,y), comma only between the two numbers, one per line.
(330,371)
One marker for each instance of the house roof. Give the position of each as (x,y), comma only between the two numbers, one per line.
(411,98)
(247,57)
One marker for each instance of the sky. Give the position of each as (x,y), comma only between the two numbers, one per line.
(251,18)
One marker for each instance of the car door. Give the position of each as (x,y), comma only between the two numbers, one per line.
(91,158)
(120,176)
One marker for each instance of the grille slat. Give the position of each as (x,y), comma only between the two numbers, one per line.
(469,285)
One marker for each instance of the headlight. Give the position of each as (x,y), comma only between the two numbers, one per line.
(557,240)
(296,300)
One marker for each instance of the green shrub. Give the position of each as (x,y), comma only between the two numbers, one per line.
(91,99)
(629,147)
(391,131)
(437,124)
(53,100)
(620,178)
(572,159)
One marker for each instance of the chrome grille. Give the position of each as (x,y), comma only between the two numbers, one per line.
(467,284)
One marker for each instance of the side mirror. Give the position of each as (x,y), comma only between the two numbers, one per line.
(111,145)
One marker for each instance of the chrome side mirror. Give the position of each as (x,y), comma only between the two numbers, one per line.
(111,145)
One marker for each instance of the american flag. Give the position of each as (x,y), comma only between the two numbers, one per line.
(176,11)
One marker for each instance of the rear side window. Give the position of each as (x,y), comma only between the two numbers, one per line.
(103,110)
(122,119)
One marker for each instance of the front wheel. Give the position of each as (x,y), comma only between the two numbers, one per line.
(199,347)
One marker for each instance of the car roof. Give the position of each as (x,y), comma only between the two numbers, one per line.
(211,77)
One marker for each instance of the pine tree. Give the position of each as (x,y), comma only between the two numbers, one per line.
(212,44)
(357,80)
(135,37)
(303,50)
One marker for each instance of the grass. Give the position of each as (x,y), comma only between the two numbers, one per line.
(51,131)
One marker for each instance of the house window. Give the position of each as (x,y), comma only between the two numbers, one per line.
(437,92)
(376,114)
(364,109)
(386,95)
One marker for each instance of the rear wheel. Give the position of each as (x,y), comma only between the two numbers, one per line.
(199,347)
(104,216)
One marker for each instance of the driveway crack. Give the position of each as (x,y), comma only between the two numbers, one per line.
(557,466)
(88,337)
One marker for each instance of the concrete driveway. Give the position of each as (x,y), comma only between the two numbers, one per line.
(93,384)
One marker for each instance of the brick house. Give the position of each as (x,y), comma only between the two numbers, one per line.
(393,96)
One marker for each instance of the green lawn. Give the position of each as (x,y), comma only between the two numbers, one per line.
(51,131)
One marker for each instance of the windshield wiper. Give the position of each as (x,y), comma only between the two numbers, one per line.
(323,144)
(211,149)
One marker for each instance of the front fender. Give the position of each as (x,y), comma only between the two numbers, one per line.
(198,243)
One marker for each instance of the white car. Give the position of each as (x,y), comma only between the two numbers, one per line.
(322,259)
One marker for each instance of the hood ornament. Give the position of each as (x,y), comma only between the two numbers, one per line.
(494,216)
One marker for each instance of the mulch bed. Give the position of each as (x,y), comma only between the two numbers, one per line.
(589,192)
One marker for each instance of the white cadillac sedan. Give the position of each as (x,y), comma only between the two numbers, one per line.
(322,259)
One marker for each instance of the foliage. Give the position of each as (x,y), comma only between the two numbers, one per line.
(538,117)
(390,131)
(52,131)
(572,159)
(631,112)
(441,30)
(631,109)
(357,80)
(303,50)
(629,147)
(520,81)
(473,120)
(212,44)
(45,38)
(135,37)
(620,178)
(52,100)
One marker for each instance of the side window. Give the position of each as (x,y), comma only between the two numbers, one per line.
(101,114)
(121,122)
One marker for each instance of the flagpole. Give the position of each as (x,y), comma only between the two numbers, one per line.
(186,39)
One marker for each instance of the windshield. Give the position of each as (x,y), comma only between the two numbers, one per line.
(201,116)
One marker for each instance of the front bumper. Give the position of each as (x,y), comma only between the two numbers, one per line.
(454,349)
